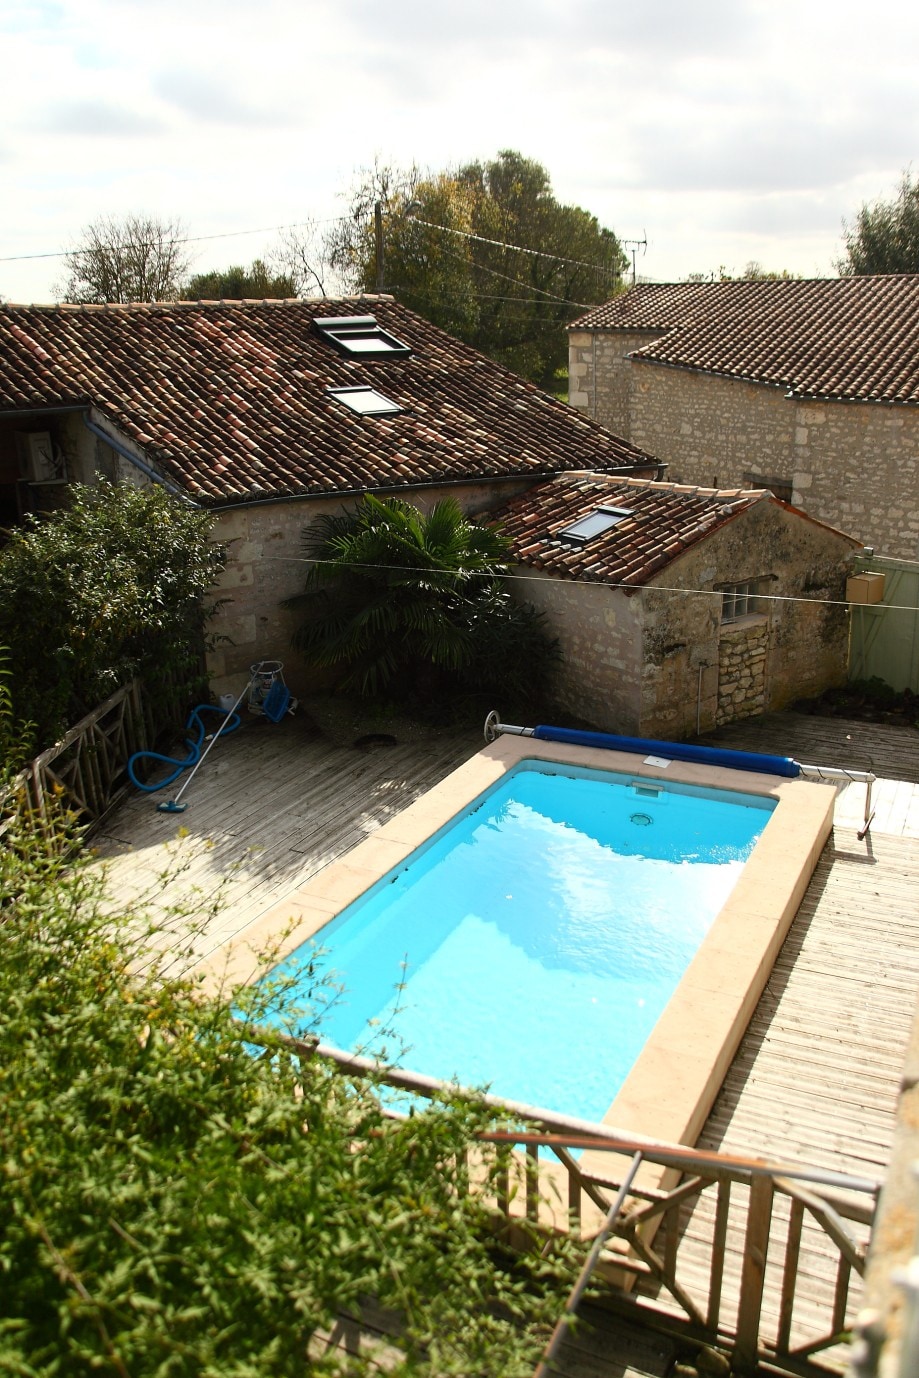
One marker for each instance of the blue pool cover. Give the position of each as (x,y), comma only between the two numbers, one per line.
(674,751)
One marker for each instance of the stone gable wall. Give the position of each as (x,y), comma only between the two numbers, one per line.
(265,566)
(660,663)
(698,670)
(854,465)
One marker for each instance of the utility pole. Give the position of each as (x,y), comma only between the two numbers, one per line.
(378,238)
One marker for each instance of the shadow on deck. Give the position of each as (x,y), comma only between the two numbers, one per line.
(817,1075)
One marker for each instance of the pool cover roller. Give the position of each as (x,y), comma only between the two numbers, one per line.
(674,751)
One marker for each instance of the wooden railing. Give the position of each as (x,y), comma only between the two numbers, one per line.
(754,1256)
(85,772)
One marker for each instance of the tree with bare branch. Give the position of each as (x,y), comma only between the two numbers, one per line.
(137,258)
(304,254)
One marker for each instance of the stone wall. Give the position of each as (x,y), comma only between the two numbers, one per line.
(659,661)
(742,654)
(599,634)
(854,465)
(266,566)
(795,645)
(600,376)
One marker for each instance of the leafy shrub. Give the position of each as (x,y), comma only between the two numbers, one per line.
(112,586)
(174,1206)
(513,653)
(414,604)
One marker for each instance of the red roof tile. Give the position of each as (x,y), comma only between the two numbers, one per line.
(229,399)
(852,338)
(666,519)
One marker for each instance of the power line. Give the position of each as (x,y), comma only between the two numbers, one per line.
(518,282)
(516,248)
(186,239)
(608,583)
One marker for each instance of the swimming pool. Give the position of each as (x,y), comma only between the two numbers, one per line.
(673,1082)
(551,919)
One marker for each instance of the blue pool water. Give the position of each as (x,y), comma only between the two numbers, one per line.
(538,937)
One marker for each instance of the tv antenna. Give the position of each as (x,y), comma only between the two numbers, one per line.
(633,245)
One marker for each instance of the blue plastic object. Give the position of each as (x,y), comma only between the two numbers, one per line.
(193,744)
(674,751)
(276,702)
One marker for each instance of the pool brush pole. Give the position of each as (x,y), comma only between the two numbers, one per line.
(173,805)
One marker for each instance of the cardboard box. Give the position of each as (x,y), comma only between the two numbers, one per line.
(865,588)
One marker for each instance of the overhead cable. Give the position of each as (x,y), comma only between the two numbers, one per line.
(608,583)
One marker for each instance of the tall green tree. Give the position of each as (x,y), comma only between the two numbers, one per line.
(884,237)
(237,283)
(406,602)
(136,258)
(487,252)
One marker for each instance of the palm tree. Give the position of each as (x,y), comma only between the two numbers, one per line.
(407,587)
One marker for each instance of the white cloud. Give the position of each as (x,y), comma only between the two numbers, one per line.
(96,119)
(219,102)
(726,129)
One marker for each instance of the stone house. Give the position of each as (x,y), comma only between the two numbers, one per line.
(809,388)
(266,414)
(680,608)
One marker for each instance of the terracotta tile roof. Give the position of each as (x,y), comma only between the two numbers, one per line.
(666,519)
(852,338)
(229,399)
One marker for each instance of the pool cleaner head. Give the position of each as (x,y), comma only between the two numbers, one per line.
(171,806)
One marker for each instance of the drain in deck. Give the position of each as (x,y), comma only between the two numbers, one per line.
(374,741)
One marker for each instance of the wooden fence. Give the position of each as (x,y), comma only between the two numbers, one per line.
(86,771)
(752,1256)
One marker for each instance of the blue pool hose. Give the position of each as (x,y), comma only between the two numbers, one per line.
(674,751)
(193,743)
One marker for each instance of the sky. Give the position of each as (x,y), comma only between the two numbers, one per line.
(710,132)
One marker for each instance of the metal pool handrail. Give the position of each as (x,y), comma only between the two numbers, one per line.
(688,751)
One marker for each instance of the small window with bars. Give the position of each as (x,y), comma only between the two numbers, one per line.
(742,600)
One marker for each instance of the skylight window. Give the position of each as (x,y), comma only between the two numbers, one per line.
(360,335)
(365,401)
(594,524)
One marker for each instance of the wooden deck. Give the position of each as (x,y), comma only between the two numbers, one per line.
(817,1075)
(269,808)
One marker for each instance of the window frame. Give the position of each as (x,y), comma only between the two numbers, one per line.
(343,331)
(742,599)
(389,407)
(571,534)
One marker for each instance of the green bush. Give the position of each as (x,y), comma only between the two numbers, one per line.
(172,1206)
(112,586)
(411,604)
(513,653)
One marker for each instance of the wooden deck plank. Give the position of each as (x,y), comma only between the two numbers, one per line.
(795,1088)
(816,1077)
(891,752)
